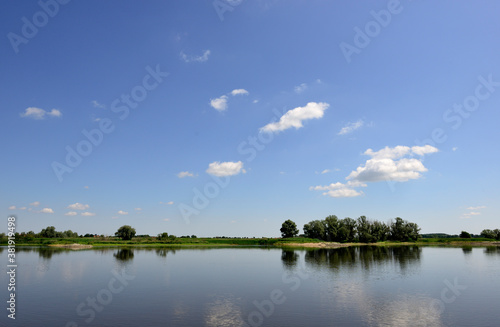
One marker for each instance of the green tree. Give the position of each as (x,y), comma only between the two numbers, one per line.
(125,232)
(315,229)
(364,229)
(289,229)
(49,232)
(163,236)
(488,233)
(347,230)
(402,230)
(464,234)
(331,228)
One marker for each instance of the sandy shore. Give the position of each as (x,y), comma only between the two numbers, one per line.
(74,246)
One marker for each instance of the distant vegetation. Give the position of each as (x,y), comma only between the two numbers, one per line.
(363,230)
(330,229)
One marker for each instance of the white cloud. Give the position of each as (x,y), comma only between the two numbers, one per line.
(22,208)
(384,167)
(87,214)
(295,117)
(219,104)
(239,92)
(97,104)
(183,174)
(35,204)
(12,208)
(387,164)
(476,208)
(225,168)
(351,127)
(39,114)
(78,206)
(46,210)
(301,88)
(121,212)
(71,213)
(339,190)
(170,203)
(166,219)
(454,148)
(325,171)
(138,209)
(202,58)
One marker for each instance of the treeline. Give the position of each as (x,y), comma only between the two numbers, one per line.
(488,233)
(363,230)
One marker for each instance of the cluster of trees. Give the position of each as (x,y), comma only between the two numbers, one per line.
(494,234)
(332,229)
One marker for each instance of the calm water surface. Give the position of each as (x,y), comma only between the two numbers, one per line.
(361,286)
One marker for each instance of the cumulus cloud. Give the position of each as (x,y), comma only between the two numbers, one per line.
(219,104)
(225,168)
(387,164)
(295,117)
(300,88)
(39,114)
(239,92)
(87,214)
(473,211)
(71,213)
(183,174)
(202,58)
(78,206)
(35,204)
(121,212)
(351,127)
(46,210)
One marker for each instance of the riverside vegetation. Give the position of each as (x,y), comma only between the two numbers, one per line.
(331,230)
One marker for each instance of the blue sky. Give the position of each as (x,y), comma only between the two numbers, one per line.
(229,117)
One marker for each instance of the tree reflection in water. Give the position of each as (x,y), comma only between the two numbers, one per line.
(124,254)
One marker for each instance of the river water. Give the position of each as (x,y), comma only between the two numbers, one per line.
(357,286)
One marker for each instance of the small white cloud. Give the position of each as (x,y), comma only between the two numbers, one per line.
(12,208)
(97,119)
(295,117)
(454,148)
(86,187)
(219,104)
(476,208)
(97,104)
(39,114)
(225,168)
(301,88)
(326,171)
(351,127)
(87,214)
(35,204)
(239,92)
(183,174)
(166,219)
(78,206)
(121,212)
(138,209)
(255,101)
(46,210)
(170,203)
(339,190)
(202,58)
(71,213)
(22,208)
(319,81)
